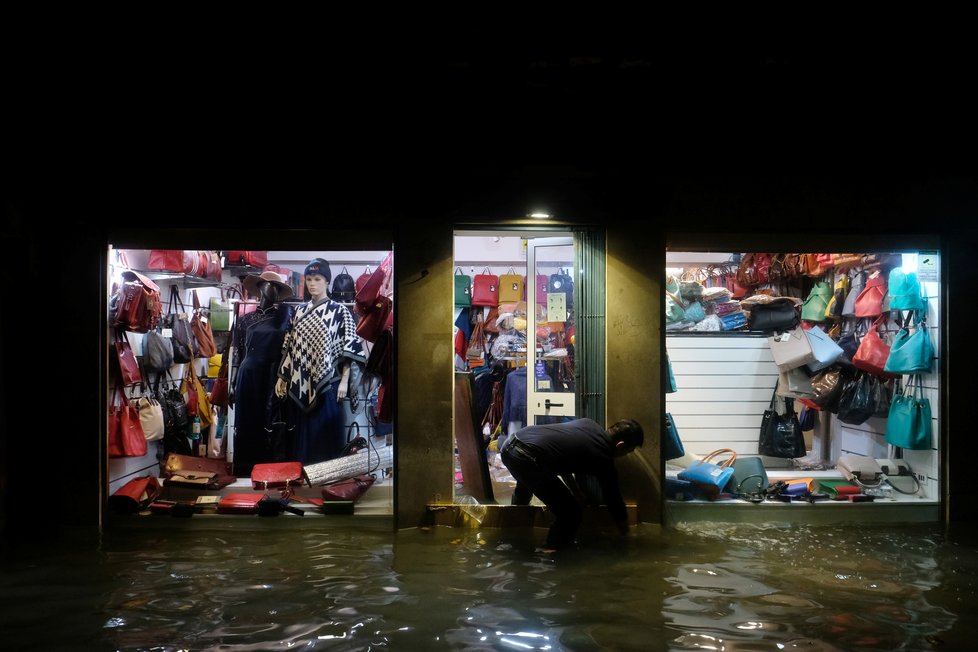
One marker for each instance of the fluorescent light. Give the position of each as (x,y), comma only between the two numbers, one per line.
(540,216)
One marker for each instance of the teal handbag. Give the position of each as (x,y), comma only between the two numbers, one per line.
(695,312)
(911,353)
(818,300)
(905,291)
(908,424)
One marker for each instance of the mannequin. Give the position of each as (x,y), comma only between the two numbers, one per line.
(318,350)
(257,341)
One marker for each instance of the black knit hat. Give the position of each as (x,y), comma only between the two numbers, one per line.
(318,266)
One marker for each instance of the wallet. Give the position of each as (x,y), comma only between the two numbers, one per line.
(193,479)
(239,503)
(276,475)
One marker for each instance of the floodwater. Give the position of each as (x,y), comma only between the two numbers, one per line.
(692,587)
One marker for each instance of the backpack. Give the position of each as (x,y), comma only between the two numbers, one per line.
(344,288)
(136,305)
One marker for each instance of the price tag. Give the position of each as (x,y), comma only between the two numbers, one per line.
(203,320)
(168,332)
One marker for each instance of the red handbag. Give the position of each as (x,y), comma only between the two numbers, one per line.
(166,260)
(872,353)
(239,503)
(253,258)
(869,303)
(542,282)
(126,438)
(202,332)
(128,366)
(351,489)
(379,317)
(378,284)
(276,474)
(136,306)
(181,468)
(135,495)
(485,289)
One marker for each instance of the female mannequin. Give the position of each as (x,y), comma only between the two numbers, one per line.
(257,341)
(317,352)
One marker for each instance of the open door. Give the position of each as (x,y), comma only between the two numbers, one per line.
(550,383)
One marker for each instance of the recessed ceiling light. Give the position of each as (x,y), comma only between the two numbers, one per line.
(540,216)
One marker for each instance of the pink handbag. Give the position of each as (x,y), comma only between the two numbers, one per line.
(869,303)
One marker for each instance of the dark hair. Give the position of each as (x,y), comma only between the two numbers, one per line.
(628,431)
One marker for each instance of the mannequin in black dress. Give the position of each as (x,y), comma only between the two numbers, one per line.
(257,341)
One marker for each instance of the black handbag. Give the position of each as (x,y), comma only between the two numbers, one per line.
(781,434)
(561,282)
(176,419)
(856,402)
(778,315)
(184,345)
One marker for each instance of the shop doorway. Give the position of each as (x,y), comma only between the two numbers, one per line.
(521,299)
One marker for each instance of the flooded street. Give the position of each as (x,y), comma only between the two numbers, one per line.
(695,587)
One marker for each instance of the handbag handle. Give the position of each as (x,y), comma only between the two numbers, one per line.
(721,451)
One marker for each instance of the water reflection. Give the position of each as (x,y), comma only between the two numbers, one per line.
(697,587)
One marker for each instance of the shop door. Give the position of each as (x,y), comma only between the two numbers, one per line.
(550,382)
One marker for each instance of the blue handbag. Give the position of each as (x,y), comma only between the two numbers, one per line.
(824,348)
(672,445)
(905,291)
(672,377)
(908,424)
(710,477)
(911,353)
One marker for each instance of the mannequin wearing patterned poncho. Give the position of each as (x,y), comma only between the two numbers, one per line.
(320,345)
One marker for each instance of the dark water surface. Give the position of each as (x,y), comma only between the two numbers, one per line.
(695,587)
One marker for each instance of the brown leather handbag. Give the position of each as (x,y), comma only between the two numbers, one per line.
(826,388)
(202,331)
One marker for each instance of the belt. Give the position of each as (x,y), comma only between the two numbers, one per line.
(514,444)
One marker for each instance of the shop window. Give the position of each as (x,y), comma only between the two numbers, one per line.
(279,368)
(732,323)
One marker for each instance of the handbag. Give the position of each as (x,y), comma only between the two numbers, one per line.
(276,474)
(873,352)
(708,476)
(239,503)
(182,335)
(905,291)
(672,445)
(198,403)
(542,283)
(777,315)
(911,353)
(695,312)
(188,469)
(202,332)
(781,434)
(463,288)
(219,310)
(857,285)
(125,436)
(157,352)
(128,366)
(135,305)
(825,350)
(150,416)
(252,258)
(166,260)
(826,387)
(749,476)
(794,383)
(219,390)
(561,282)
(135,495)
(510,287)
(818,300)
(908,424)
(485,289)
(791,349)
(351,489)
(856,400)
(377,284)
(869,303)
(838,300)
(376,318)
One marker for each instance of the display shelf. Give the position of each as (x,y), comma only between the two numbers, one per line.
(171,278)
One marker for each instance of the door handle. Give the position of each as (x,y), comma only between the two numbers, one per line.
(547,404)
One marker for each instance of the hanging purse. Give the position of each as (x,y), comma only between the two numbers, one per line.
(485,289)
(911,353)
(561,282)
(825,350)
(220,310)
(856,400)
(777,315)
(826,387)
(791,349)
(376,285)
(181,334)
(857,285)
(128,366)
(794,383)
(818,300)
(838,300)
(166,260)
(157,352)
(905,291)
(908,424)
(869,303)
(379,317)
(150,415)
(198,403)
(463,288)
(125,436)
(781,434)
(202,331)
(873,352)
(542,282)
(510,287)
(672,444)
(708,476)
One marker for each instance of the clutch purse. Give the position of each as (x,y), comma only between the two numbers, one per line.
(276,475)
(239,503)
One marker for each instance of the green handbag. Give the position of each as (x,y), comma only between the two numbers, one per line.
(909,422)
(675,308)
(463,288)
(220,310)
(818,300)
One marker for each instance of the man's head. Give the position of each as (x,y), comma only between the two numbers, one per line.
(626,435)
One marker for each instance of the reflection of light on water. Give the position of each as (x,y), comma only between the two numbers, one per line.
(115,622)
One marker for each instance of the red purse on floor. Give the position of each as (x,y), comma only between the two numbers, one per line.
(349,490)
(135,495)
(276,475)
(239,503)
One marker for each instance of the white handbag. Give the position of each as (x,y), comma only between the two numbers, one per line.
(824,348)
(150,417)
(791,349)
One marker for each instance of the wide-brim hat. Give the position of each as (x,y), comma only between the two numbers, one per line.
(251,282)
